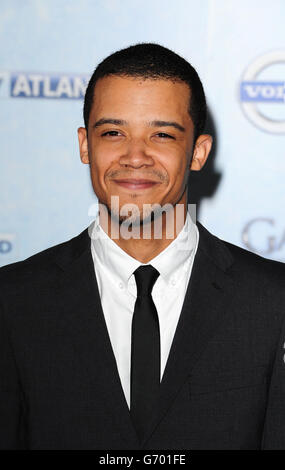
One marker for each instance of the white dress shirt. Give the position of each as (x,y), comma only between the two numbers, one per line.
(117,288)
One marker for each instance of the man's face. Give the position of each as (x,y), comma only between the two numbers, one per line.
(140,139)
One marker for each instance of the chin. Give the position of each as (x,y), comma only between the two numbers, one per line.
(132,217)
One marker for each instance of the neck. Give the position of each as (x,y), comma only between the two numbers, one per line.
(145,241)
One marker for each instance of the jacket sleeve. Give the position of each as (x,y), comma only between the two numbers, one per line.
(12,422)
(274,427)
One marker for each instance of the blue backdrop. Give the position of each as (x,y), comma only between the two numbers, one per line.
(49,48)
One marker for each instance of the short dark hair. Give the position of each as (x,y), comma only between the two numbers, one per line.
(150,60)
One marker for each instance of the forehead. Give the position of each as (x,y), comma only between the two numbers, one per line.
(120,93)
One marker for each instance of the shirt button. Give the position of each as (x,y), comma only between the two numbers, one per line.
(121,285)
(173,282)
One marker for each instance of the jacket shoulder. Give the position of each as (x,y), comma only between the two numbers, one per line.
(41,263)
(244,264)
(254,262)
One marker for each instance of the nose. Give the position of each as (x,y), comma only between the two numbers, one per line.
(136,154)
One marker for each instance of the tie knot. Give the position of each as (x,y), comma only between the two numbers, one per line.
(145,279)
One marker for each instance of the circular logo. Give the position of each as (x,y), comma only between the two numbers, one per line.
(5,246)
(254,92)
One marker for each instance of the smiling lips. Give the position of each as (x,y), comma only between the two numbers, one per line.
(131,183)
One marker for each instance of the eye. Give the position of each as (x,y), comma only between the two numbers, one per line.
(111,133)
(164,135)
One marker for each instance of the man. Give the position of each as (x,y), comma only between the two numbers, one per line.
(112,341)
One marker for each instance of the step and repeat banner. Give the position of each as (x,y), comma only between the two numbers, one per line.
(49,48)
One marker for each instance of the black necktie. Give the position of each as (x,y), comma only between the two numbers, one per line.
(145,353)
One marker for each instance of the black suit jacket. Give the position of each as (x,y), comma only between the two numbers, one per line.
(224,382)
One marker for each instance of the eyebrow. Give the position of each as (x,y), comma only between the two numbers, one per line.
(121,122)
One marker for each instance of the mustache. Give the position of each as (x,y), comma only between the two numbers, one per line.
(131,174)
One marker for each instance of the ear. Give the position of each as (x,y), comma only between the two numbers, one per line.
(201,151)
(83,144)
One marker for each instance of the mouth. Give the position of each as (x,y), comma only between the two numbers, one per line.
(131,183)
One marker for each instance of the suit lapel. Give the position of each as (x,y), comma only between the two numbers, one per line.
(206,302)
(86,326)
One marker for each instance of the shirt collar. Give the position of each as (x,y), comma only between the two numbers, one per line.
(177,253)
(109,255)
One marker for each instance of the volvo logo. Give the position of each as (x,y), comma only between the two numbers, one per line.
(256,91)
